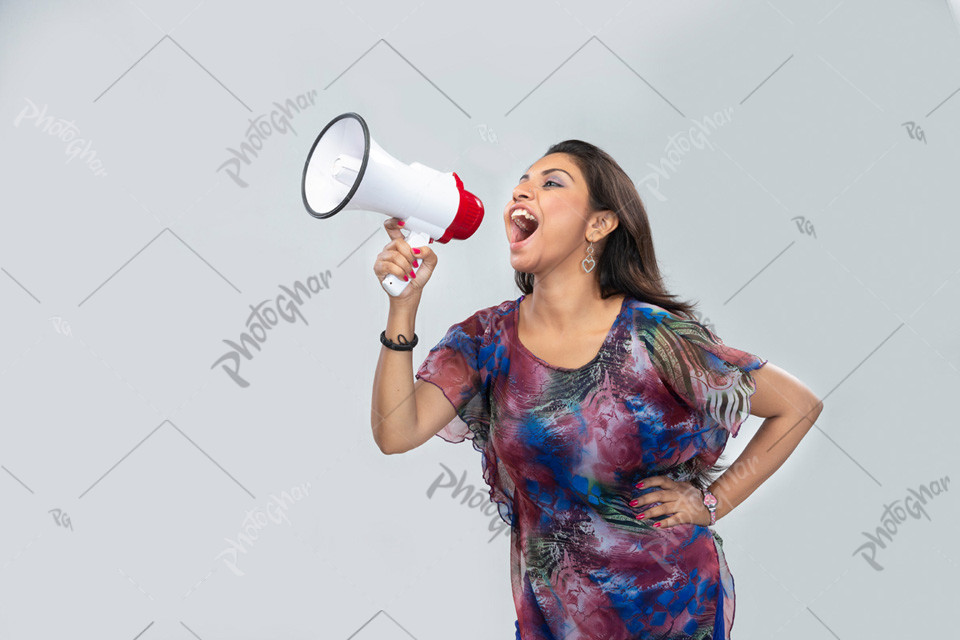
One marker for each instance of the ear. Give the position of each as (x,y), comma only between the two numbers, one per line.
(604,222)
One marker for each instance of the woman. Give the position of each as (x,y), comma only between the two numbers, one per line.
(600,407)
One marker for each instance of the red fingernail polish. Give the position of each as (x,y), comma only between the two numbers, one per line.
(416,250)
(639,484)
(413,275)
(639,516)
(400,223)
(414,264)
(634,503)
(656,524)
(405,278)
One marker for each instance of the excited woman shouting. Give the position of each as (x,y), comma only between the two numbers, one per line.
(600,406)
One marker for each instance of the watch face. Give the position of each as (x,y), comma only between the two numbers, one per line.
(710,500)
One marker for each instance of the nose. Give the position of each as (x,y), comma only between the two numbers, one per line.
(521,191)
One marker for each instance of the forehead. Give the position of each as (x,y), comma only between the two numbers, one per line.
(559,160)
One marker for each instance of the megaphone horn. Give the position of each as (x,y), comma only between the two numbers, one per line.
(347,169)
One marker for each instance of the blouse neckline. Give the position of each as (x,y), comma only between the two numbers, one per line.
(515,330)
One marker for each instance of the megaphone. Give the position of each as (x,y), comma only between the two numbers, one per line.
(347,169)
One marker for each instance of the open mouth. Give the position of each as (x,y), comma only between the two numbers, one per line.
(524,225)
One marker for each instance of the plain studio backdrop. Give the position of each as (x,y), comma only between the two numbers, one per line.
(186,356)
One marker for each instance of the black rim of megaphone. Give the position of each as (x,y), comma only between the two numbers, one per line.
(356,183)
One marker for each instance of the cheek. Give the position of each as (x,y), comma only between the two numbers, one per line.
(564,212)
(562,226)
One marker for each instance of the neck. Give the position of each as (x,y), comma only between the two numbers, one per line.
(564,308)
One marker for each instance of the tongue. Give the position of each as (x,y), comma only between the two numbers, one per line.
(523,234)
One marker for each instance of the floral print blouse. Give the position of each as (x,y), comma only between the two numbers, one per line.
(562,449)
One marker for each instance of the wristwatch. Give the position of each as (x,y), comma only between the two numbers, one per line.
(710,502)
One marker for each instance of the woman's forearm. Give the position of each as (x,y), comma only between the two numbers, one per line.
(394,404)
(773,443)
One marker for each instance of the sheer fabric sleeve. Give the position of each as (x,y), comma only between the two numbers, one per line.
(454,366)
(712,378)
(462,366)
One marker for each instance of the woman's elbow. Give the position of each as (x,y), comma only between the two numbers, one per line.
(780,393)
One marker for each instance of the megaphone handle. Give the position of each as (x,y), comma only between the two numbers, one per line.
(394,285)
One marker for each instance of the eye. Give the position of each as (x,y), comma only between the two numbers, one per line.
(553,181)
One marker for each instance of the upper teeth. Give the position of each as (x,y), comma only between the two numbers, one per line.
(518,212)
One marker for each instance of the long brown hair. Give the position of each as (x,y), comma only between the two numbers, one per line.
(626,261)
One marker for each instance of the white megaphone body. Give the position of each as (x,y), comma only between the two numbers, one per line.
(347,169)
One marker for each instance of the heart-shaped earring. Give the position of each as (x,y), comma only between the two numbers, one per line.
(589,259)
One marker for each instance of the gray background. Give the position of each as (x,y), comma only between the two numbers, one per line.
(817,228)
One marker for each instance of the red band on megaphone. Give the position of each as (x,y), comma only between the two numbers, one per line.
(468,218)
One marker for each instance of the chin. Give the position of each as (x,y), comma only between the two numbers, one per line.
(520,265)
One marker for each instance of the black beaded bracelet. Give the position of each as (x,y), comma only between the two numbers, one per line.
(404,345)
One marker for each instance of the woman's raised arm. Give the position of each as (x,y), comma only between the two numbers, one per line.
(404,415)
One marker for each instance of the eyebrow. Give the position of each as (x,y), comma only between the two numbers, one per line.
(545,172)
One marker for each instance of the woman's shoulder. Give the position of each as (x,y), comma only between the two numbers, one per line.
(496,311)
(654,315)
(488,320)
(656,322)
(650,311)
(670,335)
